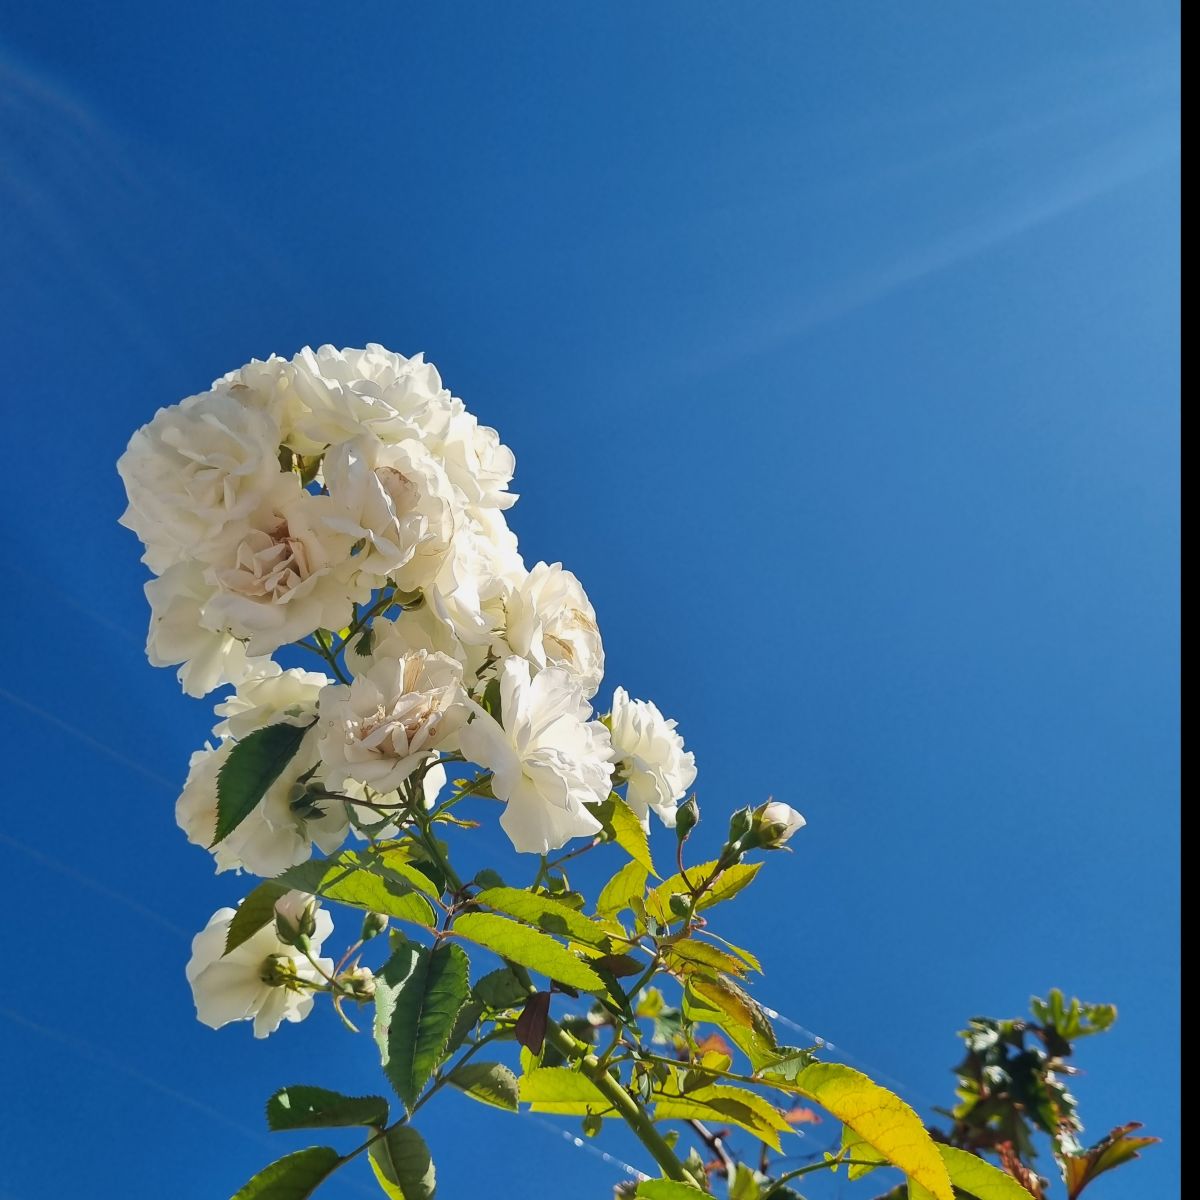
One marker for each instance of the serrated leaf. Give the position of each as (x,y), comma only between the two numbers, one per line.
(1117,1148)
(345,879)
(256,912)
(547,914)
(722,1002)
(402,1165)
(726,885)
(418,995)
(723,1104)
(880,1118)
(983,1181)
(489,1082)
(666,1189)
(688,954)
(563,1091)
(630,834)
(628,884)
(500,990)
(865,1158)
(253,765)
(529,948)
(294,1177)
(302,1107)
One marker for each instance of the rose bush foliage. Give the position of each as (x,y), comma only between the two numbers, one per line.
(344,502)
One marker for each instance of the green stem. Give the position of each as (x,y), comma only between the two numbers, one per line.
(614,1092)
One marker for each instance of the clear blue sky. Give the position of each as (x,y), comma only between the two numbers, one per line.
(838,347)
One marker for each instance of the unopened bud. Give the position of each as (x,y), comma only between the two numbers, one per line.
(774,825)
(295,918)
(687,815)
(373,925)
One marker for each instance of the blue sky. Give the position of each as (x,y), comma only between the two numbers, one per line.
(838,347)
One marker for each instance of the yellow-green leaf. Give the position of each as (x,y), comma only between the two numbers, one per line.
(619,892)
(547,914)
(983,1181)
(880,1118)
(529,947)
(666,1189)
(488,1082)
(402,1165)
(722,1002)
(719,1102)
(563,1091)
(342,878)
(293,1177)
(726,885)
(688,954)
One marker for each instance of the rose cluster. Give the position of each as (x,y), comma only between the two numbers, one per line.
(345,501)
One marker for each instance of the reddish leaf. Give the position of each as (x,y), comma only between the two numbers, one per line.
(530,1029)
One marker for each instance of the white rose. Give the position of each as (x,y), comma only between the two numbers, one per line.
(209,657)
(391,719)
(347,393)
(650,755)
(548,759)
(270,696)
(479,465)
(776,824)
(195,473)
(275,835)
(551,622)
(288,574)
(396,503)
(481,570)
(235,987)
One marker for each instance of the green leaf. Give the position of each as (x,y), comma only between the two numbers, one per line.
(983,1181)
(630,834)
(563,1091)
(317,1108)
(346,879)
(628,884)
(547,914)
(500,990)
(489,1082)
(254,913)
(880,1118)
(688,954)
(294,1177)
(726,885)
(418,995)
(253,765)
(722,1002)
(529,948)
(402,1165)
(724,1104)
(667,1189)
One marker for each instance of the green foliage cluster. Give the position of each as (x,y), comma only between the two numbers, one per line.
(630,1007)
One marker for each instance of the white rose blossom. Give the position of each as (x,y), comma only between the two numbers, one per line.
(207,658)
(393,718)
(396,504)
(247,984)
(551,622)
(195,473)
(289,573)
(548,758)
(277,833)
(343,394)
(650,756)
